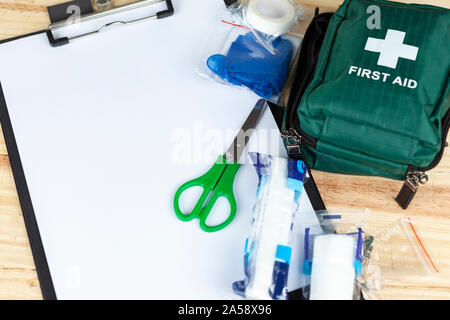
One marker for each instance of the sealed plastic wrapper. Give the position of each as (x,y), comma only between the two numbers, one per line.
(399,254)
(268,248)
(333,268)
(239,54)
(334,258)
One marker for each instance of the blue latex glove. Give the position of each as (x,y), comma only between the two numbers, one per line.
(250,64)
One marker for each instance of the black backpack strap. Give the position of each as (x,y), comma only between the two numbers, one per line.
(278,114)
(230,2)
(307,60)
(310,185)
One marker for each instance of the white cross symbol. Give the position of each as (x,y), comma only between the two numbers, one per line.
(391,48)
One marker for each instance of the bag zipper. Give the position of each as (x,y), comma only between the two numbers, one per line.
(409,188)
(445,129)
(293,139)
(416,176)
(309,52)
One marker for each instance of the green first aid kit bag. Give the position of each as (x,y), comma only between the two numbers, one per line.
(371,92)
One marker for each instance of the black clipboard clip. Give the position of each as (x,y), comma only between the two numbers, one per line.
(59,16)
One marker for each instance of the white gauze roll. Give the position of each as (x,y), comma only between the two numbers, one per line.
(333,268)
(273,17)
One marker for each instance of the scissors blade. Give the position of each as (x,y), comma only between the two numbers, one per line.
(236,149)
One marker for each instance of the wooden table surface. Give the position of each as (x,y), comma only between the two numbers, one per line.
(430,209)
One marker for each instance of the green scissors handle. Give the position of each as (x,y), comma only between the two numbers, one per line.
(217,182)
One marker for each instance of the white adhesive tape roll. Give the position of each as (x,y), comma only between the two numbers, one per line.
(273,17)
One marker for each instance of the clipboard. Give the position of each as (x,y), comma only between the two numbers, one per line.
(19,164)
(61,19)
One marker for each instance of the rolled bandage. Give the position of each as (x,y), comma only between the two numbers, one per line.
(271,229)
(333,268)
(273,17)
(268,248)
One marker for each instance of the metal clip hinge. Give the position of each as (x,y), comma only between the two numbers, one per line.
(104,9)
(103,5)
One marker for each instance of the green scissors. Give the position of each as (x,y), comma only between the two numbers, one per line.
(218,181)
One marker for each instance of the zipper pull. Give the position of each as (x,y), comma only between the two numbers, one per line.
(409,188)
(292,139)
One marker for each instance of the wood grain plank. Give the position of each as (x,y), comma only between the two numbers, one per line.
(3,150)
(18,279)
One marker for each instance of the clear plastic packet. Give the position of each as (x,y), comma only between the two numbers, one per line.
(398,254)
(237,54)
(341,269)
(268,248)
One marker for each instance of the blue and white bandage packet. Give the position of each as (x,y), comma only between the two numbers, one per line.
(268,249)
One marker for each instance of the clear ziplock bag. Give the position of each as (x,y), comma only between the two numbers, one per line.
(399,254)
(238,54)
(345,231)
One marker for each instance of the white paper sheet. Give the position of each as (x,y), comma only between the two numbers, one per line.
(101,125)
